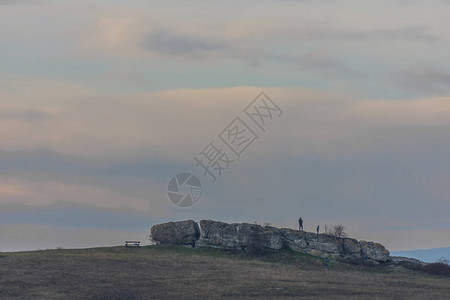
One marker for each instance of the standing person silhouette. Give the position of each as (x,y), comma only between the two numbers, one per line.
(300,224)
(318,229)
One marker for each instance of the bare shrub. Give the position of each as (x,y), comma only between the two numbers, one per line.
(437,268)
(337,231)
(412,266)
(443,260)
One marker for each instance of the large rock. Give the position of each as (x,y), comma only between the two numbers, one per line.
(374,251)
(350,249)
(307,242)
(242,237)
(176,233)
(295,240)
(252,238)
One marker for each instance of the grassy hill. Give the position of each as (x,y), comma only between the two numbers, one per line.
(162,272)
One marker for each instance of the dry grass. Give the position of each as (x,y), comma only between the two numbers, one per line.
(162,272)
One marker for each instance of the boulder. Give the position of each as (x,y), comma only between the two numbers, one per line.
(374,251)
(271,238)
(294,240)
(321,245)
(242,237)
(350,249)
(176,233)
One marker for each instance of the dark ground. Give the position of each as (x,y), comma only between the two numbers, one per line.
(172,272)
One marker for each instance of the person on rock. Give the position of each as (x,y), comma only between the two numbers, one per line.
(300,224)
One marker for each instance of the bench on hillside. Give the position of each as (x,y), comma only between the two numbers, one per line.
(132,243)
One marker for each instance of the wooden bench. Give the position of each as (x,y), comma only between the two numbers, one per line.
(132,243)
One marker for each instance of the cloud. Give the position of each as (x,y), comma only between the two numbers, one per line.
(166,43)
(82,123)
(322,62)
(256,39)
(46,192)
(44,177)
(72,215)
(12,2)
(424,80)
(411,33)
(9,113)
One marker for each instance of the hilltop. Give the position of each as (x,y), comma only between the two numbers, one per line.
(178,272)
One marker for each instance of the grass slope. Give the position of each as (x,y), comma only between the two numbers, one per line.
(172,272)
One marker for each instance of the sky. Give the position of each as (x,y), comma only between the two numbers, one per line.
(103,102)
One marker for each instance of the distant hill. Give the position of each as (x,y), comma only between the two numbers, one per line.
(426,255)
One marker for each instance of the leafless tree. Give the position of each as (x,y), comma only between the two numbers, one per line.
(337,231)
(443,260)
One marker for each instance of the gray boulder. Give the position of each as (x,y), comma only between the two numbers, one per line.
(310,243)
(350,249)
(374,251)
(176,233)
(295,240)
(242,237)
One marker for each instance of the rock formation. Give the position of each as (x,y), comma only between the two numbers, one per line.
(177,233)
(252,238)
(405,261)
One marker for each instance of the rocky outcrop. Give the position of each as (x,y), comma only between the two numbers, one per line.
(176,233)
(245,237)
(374,251)
(252,238)
(404,261)
(308,242)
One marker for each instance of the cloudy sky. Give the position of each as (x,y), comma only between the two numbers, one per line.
(102,102)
